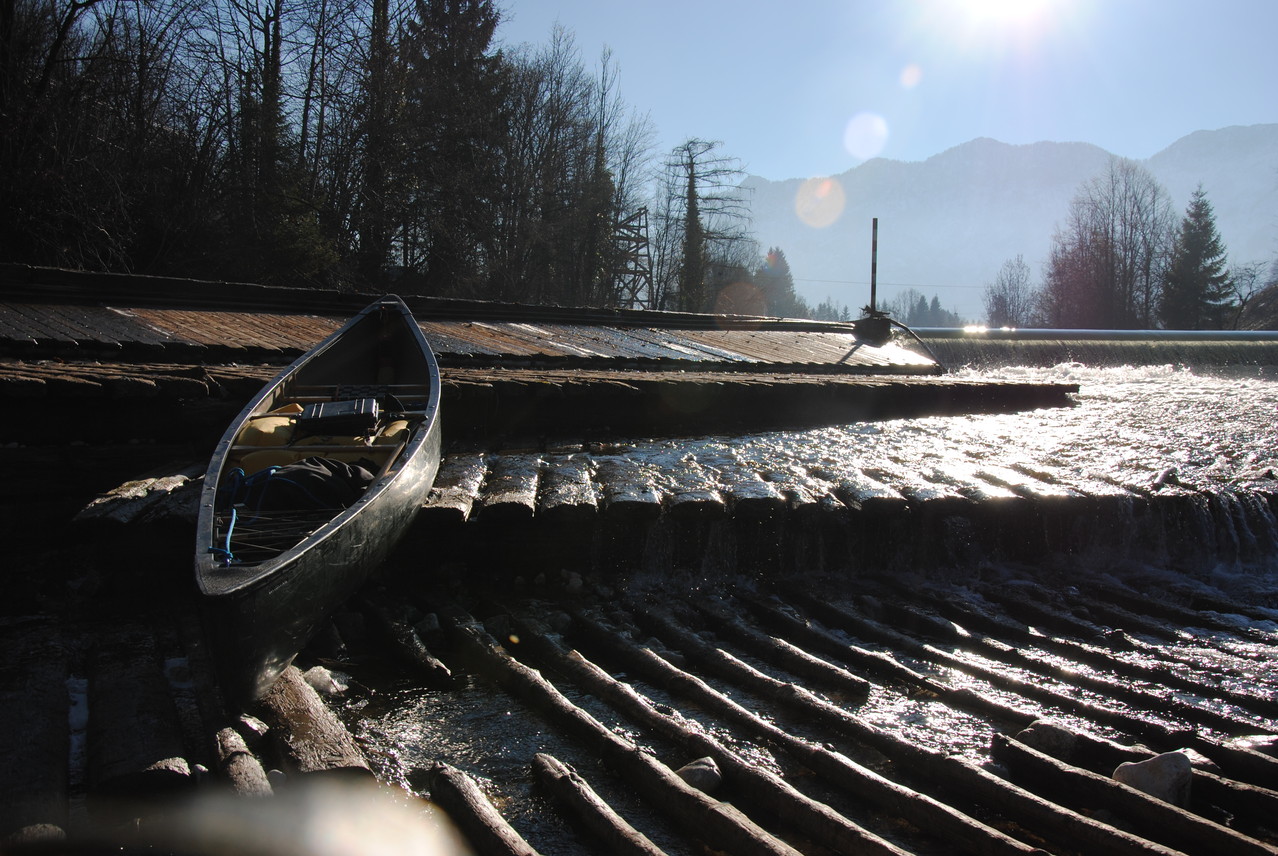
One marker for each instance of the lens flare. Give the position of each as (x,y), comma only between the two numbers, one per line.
(865,135)
(819,202)
(911,76)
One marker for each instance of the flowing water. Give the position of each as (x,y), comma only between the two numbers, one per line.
(1131,431)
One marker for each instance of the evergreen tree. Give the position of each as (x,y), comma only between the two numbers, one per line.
(456,121)
(1196,287)
(777,284)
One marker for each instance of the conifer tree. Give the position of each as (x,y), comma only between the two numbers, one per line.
(776,282)
(1196,288)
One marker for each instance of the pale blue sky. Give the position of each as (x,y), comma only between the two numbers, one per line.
(814,87)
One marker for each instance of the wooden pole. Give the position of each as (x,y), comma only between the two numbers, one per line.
(874,262)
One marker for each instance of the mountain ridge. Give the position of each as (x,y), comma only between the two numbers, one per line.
(948,223)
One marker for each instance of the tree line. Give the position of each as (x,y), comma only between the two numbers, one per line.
(1124,260)
(356,144)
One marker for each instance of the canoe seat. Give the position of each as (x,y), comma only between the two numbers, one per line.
(268,441)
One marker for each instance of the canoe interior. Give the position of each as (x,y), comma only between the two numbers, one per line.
(376,358)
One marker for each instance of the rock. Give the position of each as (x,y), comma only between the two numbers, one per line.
(35,834)
(1050,738)
(1166,777)
(324,682)
(1199,761)
(702,774)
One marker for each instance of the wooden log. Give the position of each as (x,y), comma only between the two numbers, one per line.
(1237,762)
(864,493)
(866,628)
(1034,607)
(509,493)
(1141,603)
(605,825)
(1157,820)
(991,496)
(926,813)
(884,665)
(135,499)
(748,494)
(1208,789)
(816,820)
(720,825)
(629,489)
(568,492)
(696,504)
(969,784)
(776,650)
(404,640)
(240,767)
(752,498)
(456,488)
(661,623)
(692,491)
(874,663)
(311,738)
(929,497)
(1146,670)
(800,502)
(1041,493)
(468,807)
(1122,690)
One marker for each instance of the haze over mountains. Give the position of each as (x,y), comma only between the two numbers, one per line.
(947,224)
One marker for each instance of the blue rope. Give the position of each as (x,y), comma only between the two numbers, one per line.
(237,492)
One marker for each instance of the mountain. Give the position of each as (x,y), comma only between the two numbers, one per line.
(947,224)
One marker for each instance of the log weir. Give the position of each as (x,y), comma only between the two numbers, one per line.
(934,621)
(984,348)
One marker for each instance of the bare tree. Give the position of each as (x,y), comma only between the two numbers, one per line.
(1247,281)
(703,220)
(1106,265)
(1010,299)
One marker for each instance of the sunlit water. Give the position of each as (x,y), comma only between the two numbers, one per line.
(1129,427)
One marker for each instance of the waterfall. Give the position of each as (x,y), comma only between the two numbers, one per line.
(984,348)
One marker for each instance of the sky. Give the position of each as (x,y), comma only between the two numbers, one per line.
(805,88)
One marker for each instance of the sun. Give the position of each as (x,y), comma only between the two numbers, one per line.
(998,25)
(1003,13)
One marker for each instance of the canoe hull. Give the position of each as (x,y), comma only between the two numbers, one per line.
(257,616)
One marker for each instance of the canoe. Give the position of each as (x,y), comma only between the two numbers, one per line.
(310,489)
